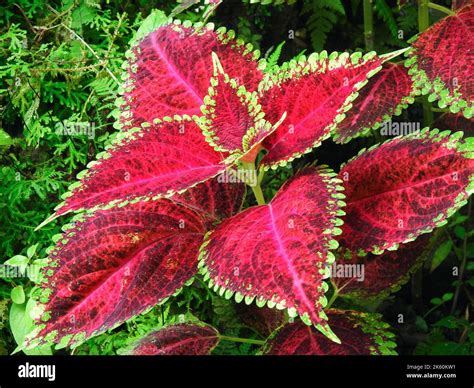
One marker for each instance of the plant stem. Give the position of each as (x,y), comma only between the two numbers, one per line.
(242,340)
(368,25)
(255,185)
(433,309)
(441,8)
(257,191)
(423,15)
(78,37)
(333,298)
(423,24)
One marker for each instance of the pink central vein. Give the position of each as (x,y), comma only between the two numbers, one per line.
(294,273)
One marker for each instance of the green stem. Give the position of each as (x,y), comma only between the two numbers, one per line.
(368,25)
(423,15)
(78,37)
(257,191)
(433,309)
(242,340)
(423,24)
(255,185)
(441,8)
(333,298)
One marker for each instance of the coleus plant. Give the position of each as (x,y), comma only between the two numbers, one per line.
(157,209)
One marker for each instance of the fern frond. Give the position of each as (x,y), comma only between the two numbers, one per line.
(323,17)
(103,87)
(385,13)
(272,59)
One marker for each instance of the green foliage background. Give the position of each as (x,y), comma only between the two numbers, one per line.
(61,62)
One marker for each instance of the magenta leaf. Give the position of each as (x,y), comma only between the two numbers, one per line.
(229,112)
(254,139)
(360,334)
(233,119)
(383,274)
(315,93)
(111,265)
(457,4)
(214,199)
(385,95)
(168,72)
(261,319)
(455,122)
(185,339)
(279,253)
(157,160)
(441,62)
(403,188)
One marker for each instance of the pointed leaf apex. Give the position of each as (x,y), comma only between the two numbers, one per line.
(217,65)
(393,54)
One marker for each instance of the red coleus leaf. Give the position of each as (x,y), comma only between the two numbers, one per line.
(360,334)
(169,70)
(457,4)
(403,188)
(229,112)
(441,62)
(233,119)
(382,274)
(186,339)
(214,199)
(385,95)
(314,93)
(115,263)
(455,122)
(279,253)
(158,160)
(254,138)
(262,319)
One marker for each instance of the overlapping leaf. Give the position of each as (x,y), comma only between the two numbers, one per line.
(315,93)
(229,111)
(185,339)
(111,265)
(157,160)
(261,319)
(233,120)
(455,122)
(458,4)
(360,334)
(382,274)
(214,199)
(279,253)
(168,72)
(441,61)
(385,95)
(403,188)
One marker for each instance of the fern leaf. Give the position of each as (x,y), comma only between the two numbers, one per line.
(385,13)
(323,16)
(272,59)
